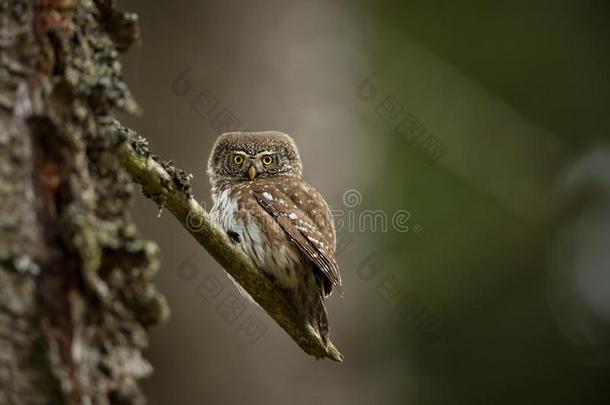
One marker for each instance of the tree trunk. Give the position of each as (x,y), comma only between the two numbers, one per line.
(76,297)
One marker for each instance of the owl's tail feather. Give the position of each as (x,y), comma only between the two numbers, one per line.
(309,298)
(320,315)
(322,320)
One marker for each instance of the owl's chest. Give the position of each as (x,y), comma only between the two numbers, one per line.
(260,237)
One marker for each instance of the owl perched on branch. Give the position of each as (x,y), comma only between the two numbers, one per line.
(278,219)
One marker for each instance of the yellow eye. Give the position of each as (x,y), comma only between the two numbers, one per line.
(238,159)
(267,160)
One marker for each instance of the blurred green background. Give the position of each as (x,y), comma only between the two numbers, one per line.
(481,128)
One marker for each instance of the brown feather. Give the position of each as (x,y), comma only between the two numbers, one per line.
(301,229)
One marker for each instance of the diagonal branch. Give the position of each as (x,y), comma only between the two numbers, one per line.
(169,187)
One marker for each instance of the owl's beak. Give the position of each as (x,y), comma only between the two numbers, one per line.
(252,172)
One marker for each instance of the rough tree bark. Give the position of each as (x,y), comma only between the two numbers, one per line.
(76,296)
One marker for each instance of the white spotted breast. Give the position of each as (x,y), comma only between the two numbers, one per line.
(260,237)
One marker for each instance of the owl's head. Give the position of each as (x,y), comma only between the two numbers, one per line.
(250,155)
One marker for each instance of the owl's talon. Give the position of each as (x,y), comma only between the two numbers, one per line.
(234,236)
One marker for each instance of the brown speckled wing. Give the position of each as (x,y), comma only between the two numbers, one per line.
(305,218)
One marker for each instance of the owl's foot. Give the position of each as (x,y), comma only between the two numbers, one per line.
(234,236)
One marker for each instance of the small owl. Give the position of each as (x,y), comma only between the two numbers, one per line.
(278,219)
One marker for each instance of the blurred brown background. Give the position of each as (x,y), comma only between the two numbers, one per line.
(480,128)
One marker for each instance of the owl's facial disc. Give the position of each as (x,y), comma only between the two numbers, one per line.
(245,156)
